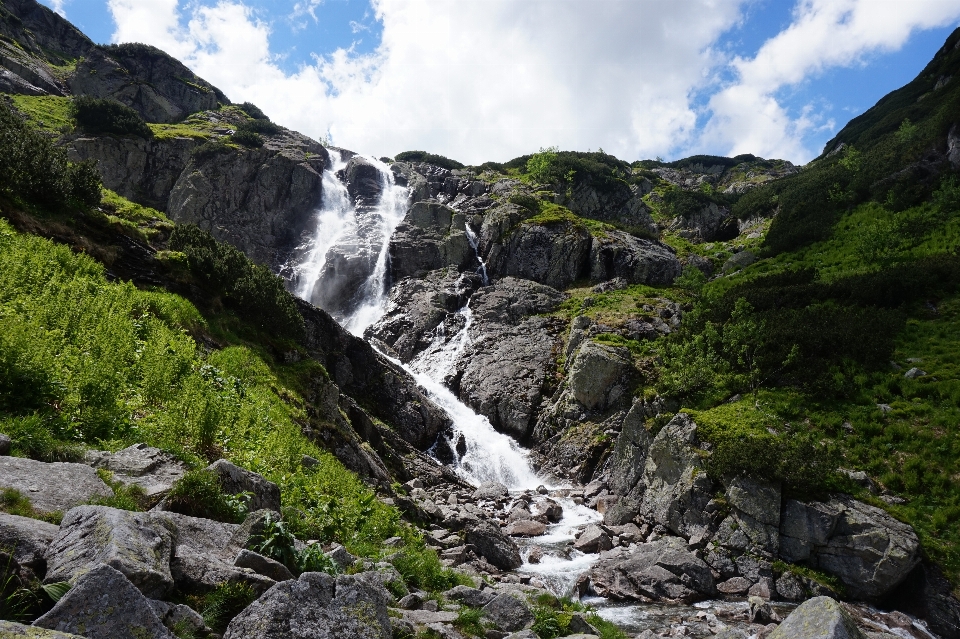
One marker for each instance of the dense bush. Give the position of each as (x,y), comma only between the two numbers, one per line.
(429,158)
(252,290)
(102,115)
(247,138)
(33,168)
(253,111)
(259,126)
(199,494)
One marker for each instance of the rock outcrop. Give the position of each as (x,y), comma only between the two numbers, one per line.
(52,487)
(818,618)
(316,606)
(431,236)
(145,466)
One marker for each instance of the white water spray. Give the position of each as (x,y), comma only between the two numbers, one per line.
(391,210)
(335,219)
(472,238)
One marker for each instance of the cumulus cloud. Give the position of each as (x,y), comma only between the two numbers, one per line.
(748,117)
(59,7)
(472,79)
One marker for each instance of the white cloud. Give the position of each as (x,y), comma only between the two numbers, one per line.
(747,116)
(473,79)
(59,6)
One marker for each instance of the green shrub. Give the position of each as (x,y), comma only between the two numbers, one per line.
(470,621)
(253,111)
(252,290)
(258,126)
(102,115)
(125,496)
(276,542)
(429,158)
(421,568)
(247,138)
(219,607)
(313,559)
(199,494)
(85,183)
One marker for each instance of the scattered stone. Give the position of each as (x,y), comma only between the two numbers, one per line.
(413,601)
(492,491)
(27,540)
(178,617)
(526,528)
(914,373)
(789,587)
(262,565)
(316,606)
(593,540)
(52,487)
(494,546)
(469,596)
(761,611)
(103,604)
(341,558)
(150,468)
(540,489)
(579,625)
(536,554)
(818,618)
(138,545)
(734,586)
(593,489)
(508,613)
(265,494)
(623,512)
(309,462)
(5,444)
(885,408)
(764,588)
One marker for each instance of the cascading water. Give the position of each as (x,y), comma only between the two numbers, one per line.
(391,210)
(334,220)
(472,238)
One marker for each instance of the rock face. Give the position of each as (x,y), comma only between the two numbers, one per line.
(630,454)
(156,85)
(870,551)
(637,261)
(52,487)
(659,570)
(708,224)
(818,618)
(431,236)
(259,200)
(103,605)
(316,606)
(678,488)
(556,254)
(754,520)
(138,545)
(594,374)
(621,204)
(144,171)
(12,630)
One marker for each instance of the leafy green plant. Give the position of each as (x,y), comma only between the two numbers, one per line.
(277,542)
(125,496)
(470,621)
(247,138)
(312,559)
(219,607)
(102,115)
(199,494)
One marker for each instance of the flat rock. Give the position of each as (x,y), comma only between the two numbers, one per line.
(316,606)
(526,528)
(266,494)
(593,540)
(818,618)
(12,629)
(469,596)
(103,604)
(262,565)
(661,570)
(424,617)
(150,468)
(734,586)
(28,539)
(138,545)
(508,613)
(491,491)
(52,487)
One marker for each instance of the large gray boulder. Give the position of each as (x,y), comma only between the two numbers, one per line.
(205,553)
(52,487)
(264,494)
(138,545)
(818,618)
(27,540)
(678,488)
(494,546)
(150,468)
(597,374)
(638,261)
(866,548)
(508,613)
(316,606)
(754,520)
(630,454)
(662,570)
(12,630)
(103,604)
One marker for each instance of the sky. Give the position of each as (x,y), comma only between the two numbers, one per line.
(489,80)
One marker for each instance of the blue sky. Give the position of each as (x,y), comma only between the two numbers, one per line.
(491,79)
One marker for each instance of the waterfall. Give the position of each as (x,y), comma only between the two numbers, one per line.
(391,209)
(472,238)
(335,219)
